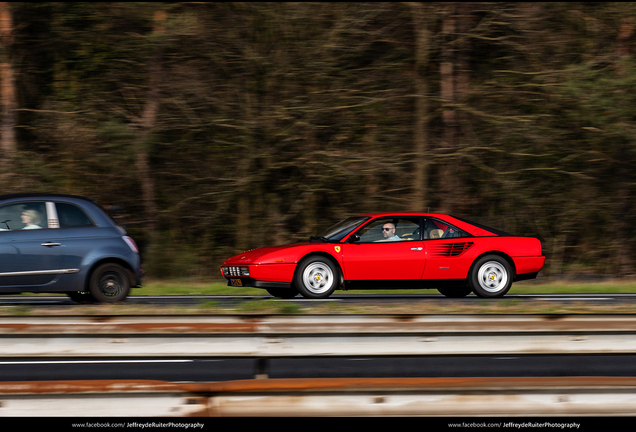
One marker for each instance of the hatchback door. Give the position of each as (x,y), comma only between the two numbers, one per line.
(81,234)
(29,252)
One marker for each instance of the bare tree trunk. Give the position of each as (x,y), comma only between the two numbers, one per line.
(242,237)
(420,135)
(447,74)
(449,184)
(464,201)
(462,72)
(625,32)
(148,122)
(622,225)
(7,90)
(242,223)
(277,234)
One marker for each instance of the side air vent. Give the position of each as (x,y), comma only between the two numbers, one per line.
(449,249)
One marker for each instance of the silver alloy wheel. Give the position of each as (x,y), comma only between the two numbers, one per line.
(492,276)
(318,277)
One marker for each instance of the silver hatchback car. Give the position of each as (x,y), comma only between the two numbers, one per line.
(53,243)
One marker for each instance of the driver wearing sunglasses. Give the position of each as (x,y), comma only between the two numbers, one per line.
(388,232)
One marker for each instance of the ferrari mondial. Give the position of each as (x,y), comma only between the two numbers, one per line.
(392,251)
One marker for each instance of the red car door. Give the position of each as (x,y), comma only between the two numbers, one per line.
(404,260)
(386,248)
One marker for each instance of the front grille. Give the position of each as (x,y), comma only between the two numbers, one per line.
(236,271)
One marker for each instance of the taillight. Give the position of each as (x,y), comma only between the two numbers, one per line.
(131,243)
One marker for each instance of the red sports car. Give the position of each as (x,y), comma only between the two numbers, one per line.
(392,250)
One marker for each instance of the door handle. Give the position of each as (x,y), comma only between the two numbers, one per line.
(49,244)
(416,248)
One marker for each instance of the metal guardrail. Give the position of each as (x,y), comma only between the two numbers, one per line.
(294,336)
(286,336)
(587,396)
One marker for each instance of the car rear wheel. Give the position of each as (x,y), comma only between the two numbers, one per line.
(285,293)
(491,276)
(455,292)
(109,283)
(316,277)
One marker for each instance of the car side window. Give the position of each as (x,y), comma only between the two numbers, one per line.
(71,216)
(390,230)
(437,229)
(23,216)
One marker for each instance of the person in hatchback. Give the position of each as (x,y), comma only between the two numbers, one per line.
(31,219)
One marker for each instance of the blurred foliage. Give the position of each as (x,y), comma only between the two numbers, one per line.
(278,119)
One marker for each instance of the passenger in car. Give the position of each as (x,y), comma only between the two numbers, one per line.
(31,219)
(436,233)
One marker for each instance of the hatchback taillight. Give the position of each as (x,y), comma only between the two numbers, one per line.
(130,242)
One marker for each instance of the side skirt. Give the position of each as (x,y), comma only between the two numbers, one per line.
(405,284)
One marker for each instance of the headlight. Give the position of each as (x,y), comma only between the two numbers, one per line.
(235,271)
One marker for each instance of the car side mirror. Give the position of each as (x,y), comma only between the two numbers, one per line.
(353,238)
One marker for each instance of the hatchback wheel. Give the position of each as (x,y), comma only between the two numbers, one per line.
(316,277)
(109,283)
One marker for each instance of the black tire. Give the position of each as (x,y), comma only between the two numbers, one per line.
(491,276)
(109,283)
(455,292)
(285,293)
(316,277)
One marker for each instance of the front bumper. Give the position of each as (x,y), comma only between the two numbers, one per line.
(260,275)
(250,282)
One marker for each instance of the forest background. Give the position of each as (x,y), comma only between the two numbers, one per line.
(217,127)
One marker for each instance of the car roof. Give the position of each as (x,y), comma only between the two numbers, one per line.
(97,212)
(422,214)
(43,195)
(460,222)
(446,217)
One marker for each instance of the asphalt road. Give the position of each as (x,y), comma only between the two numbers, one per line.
(205,370)
(185,300)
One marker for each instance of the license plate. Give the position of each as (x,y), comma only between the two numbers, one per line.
(236,282)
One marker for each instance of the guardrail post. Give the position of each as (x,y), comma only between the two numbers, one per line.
(262,368)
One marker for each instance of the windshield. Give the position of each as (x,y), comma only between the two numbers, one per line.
(342,228)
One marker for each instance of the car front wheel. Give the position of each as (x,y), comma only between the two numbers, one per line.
(491,276)
(316,277)
(109,283)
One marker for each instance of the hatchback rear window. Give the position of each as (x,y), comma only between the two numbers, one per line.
(71,216)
